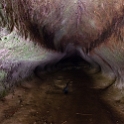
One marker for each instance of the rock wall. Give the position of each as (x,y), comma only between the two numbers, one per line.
(20,52)
(32,30)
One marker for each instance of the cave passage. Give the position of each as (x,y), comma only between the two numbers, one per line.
(80,103)
(42,100)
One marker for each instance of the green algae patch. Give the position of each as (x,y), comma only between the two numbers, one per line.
(15,48)
(3,75)
(3,93)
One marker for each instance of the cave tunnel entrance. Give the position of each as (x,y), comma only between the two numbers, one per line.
(70,95)
(73,61)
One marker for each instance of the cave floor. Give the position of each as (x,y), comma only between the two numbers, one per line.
(42,101)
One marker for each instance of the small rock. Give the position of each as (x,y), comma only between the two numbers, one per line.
(20,119)
(20,101)
(1,6)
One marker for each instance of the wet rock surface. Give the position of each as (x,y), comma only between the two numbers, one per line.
(42,101)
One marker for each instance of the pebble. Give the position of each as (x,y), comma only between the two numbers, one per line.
(20,101)
(20,119)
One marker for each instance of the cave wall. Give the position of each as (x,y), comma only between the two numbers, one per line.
(20,53)
(33,31)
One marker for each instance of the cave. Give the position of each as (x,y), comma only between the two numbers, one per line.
(61,61)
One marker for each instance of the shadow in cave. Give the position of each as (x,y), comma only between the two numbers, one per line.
(74,61)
